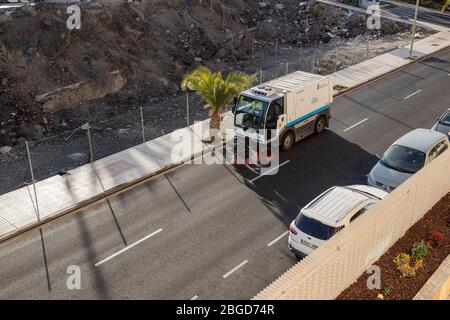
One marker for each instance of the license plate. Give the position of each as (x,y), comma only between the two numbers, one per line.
(308,244)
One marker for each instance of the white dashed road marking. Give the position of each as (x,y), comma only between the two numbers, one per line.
(226,275)
(127,248)
(356,124)
(270,171)
(412,94)
(277,239)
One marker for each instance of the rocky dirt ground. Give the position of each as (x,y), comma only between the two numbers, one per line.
(152,44)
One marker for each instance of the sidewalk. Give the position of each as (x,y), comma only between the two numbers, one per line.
(385,63)
(59,195)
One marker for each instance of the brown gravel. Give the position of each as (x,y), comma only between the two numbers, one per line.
(438,218)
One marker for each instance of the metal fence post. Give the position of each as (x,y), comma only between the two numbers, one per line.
(260,76)
(34,182)
(367,48)
(142,125)
(313,61)
(335,61)
(253,46)
(187,108)
(287,67)
(87,127)
(276,50)
(223,16)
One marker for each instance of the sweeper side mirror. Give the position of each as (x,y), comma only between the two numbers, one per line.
(235,100)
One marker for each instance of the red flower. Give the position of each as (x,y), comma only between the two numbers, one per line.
(435,238)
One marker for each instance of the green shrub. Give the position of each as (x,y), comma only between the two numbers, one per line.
(420,250)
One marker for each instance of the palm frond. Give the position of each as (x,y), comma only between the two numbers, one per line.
(446,5)
(215,90)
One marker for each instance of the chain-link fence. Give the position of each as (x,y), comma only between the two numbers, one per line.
(99,135)
(111,130)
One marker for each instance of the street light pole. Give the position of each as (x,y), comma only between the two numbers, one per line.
(414,29)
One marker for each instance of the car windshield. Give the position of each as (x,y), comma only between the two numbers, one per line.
(250,113)
(314,228)
(445,120)
(403,159)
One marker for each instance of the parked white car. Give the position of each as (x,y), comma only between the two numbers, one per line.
(329,213)
(406,156)
(443,123)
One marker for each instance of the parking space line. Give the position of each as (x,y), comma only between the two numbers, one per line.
(412,94)
(356,124)
(194,297)
(127,248)
(277,239)
(270,171)
(226,275)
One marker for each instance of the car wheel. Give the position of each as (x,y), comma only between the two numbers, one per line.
(321,123)
(288,141)
(299,257)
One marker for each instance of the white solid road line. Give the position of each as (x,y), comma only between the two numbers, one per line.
(194,297)
(414,93)
(226,275)
(270,171)
(277,239)
(356,124)
(127,248)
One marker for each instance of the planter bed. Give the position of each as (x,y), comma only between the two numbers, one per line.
(393,286)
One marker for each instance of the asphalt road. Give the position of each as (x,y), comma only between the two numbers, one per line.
(406,11)
(206,232)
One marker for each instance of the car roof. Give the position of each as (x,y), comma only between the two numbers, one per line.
(420,139)
(334,204)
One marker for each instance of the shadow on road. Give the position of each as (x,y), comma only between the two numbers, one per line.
(100,285)
(316,163)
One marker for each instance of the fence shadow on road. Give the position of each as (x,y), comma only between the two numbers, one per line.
(316,163)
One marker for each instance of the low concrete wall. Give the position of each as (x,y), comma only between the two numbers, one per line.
(340,261)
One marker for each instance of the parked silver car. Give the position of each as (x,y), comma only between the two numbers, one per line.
(405,157)
(443,123)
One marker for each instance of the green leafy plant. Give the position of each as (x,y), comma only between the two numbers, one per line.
(217,91)
(446,5)
(420,250)
(386,290)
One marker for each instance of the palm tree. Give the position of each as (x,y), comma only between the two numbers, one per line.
(446,5)
(216,90)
